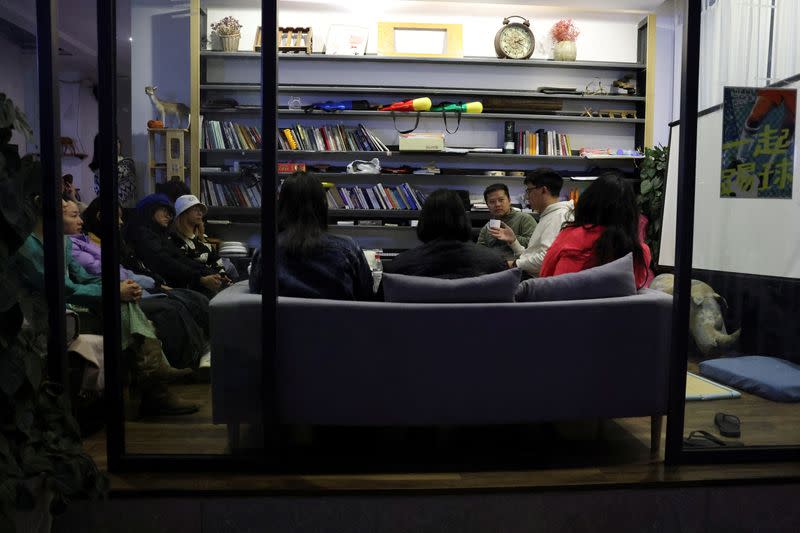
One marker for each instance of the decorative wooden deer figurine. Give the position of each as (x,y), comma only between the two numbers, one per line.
(67,146)
(168,108)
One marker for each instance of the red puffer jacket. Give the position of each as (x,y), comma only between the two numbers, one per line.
(573,251)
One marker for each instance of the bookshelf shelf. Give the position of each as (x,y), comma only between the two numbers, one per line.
(396,154)
(366,214)
(469,61)
(298,114)
(230,87)
(254,213)
(319,77)
(447,91)
(316,115)
(227,55)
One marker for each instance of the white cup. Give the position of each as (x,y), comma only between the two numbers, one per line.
(494,223)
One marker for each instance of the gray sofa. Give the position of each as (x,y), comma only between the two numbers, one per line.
(387,364)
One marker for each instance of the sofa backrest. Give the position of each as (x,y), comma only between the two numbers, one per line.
(370,363)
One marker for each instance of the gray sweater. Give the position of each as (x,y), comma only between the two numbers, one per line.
(521,223)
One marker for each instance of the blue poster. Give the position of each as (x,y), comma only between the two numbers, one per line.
(758,142)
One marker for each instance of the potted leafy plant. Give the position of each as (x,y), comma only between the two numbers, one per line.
(228,30)
(564,34)
(42,463)
(653,173)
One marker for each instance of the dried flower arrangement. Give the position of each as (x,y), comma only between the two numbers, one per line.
(227,26)
(564,30)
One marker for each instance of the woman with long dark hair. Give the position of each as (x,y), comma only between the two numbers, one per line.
(605,228)
(311,262)
(447,251)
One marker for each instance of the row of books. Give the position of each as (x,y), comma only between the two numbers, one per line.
(335,138)
(226,135)
(379,196)
(230,194)
(542,142)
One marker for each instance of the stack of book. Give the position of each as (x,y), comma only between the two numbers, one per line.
(336,138)
(375,197)
(230,194)
(541,142)
(226,135)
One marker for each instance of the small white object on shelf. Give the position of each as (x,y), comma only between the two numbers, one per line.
(346,40)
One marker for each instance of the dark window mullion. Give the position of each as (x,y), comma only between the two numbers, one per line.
(107,103)
(53,226)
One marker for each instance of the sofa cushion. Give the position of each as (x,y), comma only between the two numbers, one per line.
(611,280)
(769,377)
(496,287)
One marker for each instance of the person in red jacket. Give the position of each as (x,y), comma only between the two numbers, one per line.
(606,227)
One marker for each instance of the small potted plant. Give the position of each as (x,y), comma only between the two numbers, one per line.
(228,31)
(564,34)
(653,171)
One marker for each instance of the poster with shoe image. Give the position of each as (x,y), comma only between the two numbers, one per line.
(758,129)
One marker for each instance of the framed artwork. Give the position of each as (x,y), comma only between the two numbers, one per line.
(416,39)
(257,43)
(346,40)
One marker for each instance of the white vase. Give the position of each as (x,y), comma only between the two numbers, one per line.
(565,51)
(230,43)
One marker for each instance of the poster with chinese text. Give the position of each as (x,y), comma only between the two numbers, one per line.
(758,142)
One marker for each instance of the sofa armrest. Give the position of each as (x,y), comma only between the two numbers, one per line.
(235,321)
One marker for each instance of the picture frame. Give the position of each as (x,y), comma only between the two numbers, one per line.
(343,39)
(257,42)
(418,39)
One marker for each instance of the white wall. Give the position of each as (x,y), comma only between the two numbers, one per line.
(744,235)
(604,37)
(160,57)
(18,69)
(79,121)
(665,71)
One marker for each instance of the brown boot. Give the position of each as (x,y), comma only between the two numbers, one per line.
(151,363)
(157,400)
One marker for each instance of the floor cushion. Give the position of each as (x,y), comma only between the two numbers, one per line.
(768,377)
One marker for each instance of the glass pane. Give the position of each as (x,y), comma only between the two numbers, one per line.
(744,355)
(175,254)
(359,370)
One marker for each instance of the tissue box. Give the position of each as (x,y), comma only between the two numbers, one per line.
(424,142)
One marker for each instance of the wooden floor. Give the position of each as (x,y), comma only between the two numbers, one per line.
(611,452)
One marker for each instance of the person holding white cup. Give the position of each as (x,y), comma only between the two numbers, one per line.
(508,231)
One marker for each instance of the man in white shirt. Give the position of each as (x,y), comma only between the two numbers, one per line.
(543,187)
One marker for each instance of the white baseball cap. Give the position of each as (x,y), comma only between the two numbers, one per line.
(185,202)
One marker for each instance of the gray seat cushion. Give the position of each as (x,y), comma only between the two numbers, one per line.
(496,287)
(611,280)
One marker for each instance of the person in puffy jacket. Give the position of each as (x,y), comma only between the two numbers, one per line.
(149,235)
(180,316)
(138,337)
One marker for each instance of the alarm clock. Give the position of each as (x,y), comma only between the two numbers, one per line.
(514,40)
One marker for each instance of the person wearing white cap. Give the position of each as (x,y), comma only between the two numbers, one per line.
(189,235)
